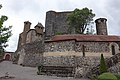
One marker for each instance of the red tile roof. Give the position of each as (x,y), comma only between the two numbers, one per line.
(79,37)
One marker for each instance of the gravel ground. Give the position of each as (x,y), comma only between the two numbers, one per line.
(25,73)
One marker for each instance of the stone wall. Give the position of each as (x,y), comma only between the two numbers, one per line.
(118,44)
(115,68)
(60,46)
(113,63)
(33,36)
(61,52)
(70,61)
(81,65)
(56,23)
(92,46)
(63,46)
(31,54)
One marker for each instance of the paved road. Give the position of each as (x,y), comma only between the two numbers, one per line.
(25,73)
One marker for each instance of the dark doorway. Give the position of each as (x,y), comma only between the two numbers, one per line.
(7,57)
(113,49)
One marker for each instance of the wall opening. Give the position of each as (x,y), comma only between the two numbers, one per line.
(83,50)
(113,49)
(7,57)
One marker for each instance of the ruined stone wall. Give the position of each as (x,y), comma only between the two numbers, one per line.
(56,23)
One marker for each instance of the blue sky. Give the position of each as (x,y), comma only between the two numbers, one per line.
(34,11)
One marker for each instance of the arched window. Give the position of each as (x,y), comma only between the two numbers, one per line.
(113,49)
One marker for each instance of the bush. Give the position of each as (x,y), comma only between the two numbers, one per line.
(107,76)
(118,76)
(58,33)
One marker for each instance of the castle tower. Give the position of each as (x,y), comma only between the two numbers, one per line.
(39,28)
(27,25)
(101,26)
(56,23)
(50,23)
(23,35)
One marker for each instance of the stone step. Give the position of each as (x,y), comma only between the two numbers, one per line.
(58,70)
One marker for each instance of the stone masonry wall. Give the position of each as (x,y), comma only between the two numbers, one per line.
(81,65)
(56,23)
(70,61)
(33,54)
(118,44)
(92,46)
(60,46)
(63,46)
(113,64)
(61,25)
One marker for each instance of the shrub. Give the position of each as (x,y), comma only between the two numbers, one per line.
(107,76)
(58,33)
(103,66)
(118,76)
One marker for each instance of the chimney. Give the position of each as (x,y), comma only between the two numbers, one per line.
(27,25)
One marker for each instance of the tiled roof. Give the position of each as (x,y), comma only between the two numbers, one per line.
(79,37)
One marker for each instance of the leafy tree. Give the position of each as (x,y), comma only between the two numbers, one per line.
(90,30)
(103,66)
(79,19)
(5,33)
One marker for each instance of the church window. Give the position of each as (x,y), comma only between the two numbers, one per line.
(113,49)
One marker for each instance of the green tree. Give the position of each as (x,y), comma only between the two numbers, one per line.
(5,33)
(90,30)
(103,66)
(79,19)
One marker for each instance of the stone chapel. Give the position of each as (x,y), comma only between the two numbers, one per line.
(38,46)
